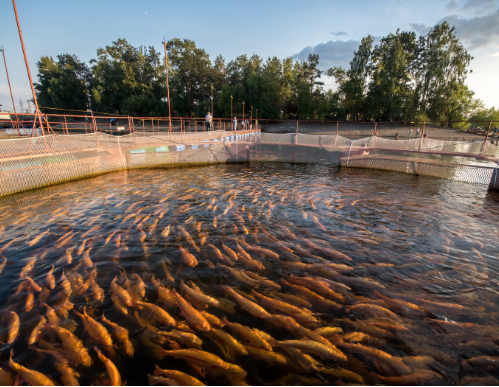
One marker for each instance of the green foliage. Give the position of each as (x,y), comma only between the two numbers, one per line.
(63,84)
(403,77)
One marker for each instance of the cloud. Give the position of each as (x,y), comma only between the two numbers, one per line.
(420,28)
(453,6)
(479,7)
(476,32)
(341,33)
(145,13)
(332,53)
(494,55)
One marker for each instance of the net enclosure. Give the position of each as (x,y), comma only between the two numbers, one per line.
(29,163)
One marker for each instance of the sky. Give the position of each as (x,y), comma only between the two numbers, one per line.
(283,28)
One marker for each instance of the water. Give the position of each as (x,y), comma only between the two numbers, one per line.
(432,243)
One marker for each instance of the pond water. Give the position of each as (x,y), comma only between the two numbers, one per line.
(334,276)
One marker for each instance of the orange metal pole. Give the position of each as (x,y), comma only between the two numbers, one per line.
(15,123)
(37,111)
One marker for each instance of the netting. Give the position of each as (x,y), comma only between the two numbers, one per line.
(29,163)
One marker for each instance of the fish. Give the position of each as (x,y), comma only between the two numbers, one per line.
(2,265)
(198,295)
(38,238)
(317,286)
(180,377)
(418,377)
(394,364)
(50,279)
(251,336)
(192,315)
(114,374)
(313,347)
(187,257)
(255,309)
(95,329)
(31,377)
(154,380)
(77,352)
(159,313)
(121,335)
(198,357)
(28,267)
(164,293)
(227,343)
(269,357)
(262,251)
(13,325)
(37,331)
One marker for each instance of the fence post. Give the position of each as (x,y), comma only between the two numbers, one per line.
(486,138)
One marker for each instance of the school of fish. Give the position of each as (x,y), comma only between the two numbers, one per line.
(242,275)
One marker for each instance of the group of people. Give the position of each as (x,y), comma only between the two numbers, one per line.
(244,123)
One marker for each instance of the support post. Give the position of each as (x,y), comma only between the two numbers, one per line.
(486,138)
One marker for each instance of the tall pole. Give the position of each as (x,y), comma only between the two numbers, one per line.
(212,100)
(15,123)
(243,110)
(38,114)
(256,119)
(231,106)
(251,117)
(167,87)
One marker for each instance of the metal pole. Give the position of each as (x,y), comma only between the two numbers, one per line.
(251,117)
(243,110)
(486,138)
(256,119)
(37,112)
(212,112)
(336,138)
(231,107)
(167,86)
(15,123)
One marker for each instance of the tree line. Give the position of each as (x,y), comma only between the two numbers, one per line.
(402,77)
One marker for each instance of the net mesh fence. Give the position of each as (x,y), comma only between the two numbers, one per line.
(29,163)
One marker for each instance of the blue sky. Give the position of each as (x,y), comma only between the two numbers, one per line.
(331,28)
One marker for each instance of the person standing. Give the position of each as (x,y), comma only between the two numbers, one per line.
(235,123)
(417,132)
(410,133)
(208,121)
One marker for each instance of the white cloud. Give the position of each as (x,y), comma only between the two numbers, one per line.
(479,7)
(453,6)
(332,53)
(494,55)
(476,32)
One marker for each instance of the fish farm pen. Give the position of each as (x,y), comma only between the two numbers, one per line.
(166,254)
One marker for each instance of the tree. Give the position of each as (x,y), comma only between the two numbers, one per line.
(353,83)
(128,80)
(63,84)
(390,90)
(442,68)
(191,77)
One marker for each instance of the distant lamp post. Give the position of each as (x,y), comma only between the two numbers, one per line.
(251,117)
(212,113)
(256,119)
(231,106)
(243,110)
